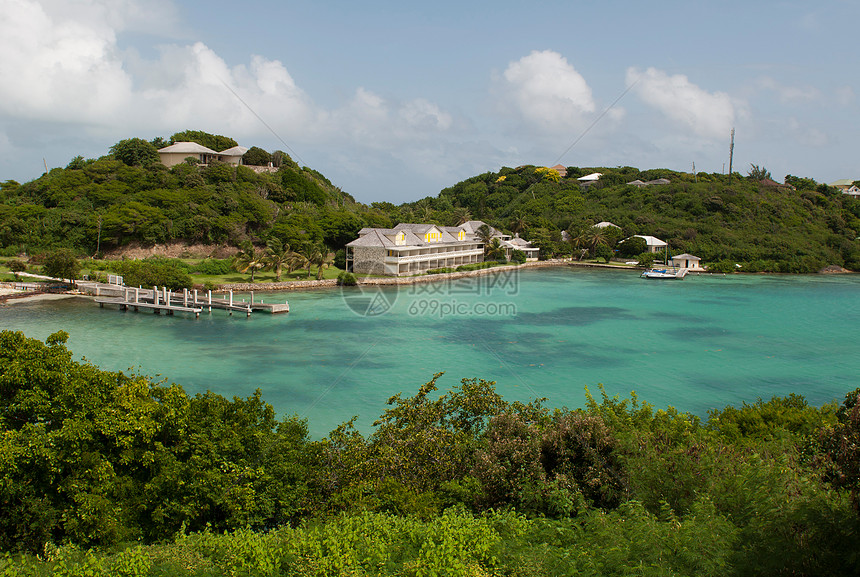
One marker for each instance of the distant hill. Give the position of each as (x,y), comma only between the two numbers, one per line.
(106,204)
(762,225)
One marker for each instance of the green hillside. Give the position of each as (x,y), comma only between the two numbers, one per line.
(128,197)
(764,228)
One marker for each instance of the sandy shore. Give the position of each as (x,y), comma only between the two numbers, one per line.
(11,297)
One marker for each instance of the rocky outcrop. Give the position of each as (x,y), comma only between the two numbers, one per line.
(834,269)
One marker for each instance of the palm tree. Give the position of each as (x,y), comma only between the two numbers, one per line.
(278,254)
(596,236)
(461,215)
(579,238)
(302,258)
(494,250)
(426,214)
(323,260)
(248,259)
(484,234)
(518,224)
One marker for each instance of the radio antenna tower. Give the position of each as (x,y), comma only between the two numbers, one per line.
(731,155)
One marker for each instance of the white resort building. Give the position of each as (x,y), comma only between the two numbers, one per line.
(409,249)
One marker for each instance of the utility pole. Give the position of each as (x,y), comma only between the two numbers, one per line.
(695,176)
(731,155)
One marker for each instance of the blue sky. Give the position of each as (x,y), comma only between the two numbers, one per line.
(395,100)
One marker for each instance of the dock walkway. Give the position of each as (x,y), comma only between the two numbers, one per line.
(159,300)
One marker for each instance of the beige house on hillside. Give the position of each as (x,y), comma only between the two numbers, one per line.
(178,152)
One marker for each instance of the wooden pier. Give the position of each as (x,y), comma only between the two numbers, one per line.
(186,302)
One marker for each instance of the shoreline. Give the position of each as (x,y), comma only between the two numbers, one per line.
(396,281)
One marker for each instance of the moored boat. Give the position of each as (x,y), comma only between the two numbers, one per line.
(665,273)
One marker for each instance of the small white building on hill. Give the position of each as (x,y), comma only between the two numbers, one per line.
(687,261)
(653,243)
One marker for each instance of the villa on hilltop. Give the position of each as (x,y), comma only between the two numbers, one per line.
(409,248)
(178,152)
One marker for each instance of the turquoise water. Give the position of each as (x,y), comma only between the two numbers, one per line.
(696,344)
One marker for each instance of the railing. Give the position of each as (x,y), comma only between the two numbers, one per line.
(436,256)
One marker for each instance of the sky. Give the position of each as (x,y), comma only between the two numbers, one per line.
(394,101)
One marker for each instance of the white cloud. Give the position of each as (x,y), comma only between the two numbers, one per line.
(845,95)
(62,63)
(791,94)
(706,114)
(58,68)
(424,115)
(548,92)
(808,135)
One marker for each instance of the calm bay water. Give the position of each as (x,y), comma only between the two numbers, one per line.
(696,344)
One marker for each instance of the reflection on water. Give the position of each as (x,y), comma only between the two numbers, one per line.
(702,343)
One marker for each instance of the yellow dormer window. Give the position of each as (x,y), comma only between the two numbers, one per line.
(461,235)
(400,239)
(432,236)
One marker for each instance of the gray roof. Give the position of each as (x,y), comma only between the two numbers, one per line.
(186,148)
(413,233)
(235,151)
(685,256)
(414,227)
(605,224)
(651,240)
(374,237)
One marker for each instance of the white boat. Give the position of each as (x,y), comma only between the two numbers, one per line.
(665,273)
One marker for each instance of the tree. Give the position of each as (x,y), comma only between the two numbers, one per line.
(758,172)
(495,251)
(281,158)
(323,260)
(256,156)
(76,163)
(595,236)
(135,152)
(841,445)
(249,260)
(61,263)
(604,252)
(518,223)
(278,254)
(461,215)
(632,247)
(16,266)
(646,259)
(485,235)
(214,141)
(153,271)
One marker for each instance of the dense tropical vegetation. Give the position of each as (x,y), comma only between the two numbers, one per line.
(749,222)
(103,473)
(126,198)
